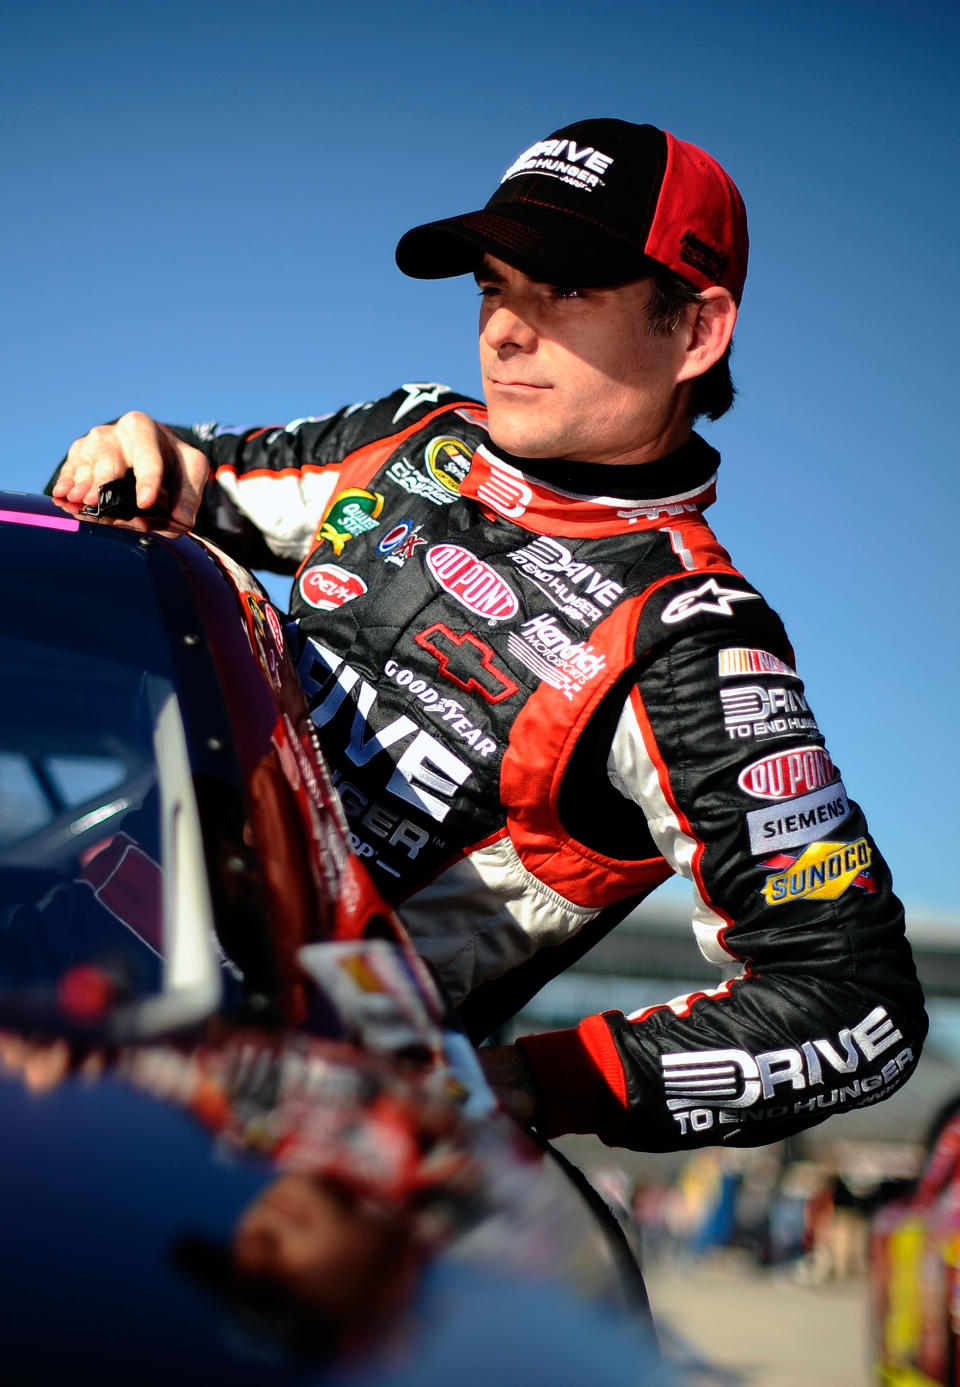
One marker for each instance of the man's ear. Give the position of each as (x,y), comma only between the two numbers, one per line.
(710,325)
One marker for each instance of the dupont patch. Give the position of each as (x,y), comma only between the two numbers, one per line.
(472,581)
(788,773)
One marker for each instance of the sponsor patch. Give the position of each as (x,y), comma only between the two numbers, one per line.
(735,1079)
(445,709)
(708,597)
(577,589)
(416,483)
(473,582)
(750,710)
(448,462)
(788,773)
(352,513)
(822,872)
(419,393)
(797,821)
(327,585)
(423,772)
(399,543)
(557,660)
(581,166)
(467,661)
(504,489)
(273,621)
(741,660)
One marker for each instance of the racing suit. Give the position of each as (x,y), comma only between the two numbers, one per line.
(538,701)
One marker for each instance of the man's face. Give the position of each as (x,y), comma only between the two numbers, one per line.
(575,373)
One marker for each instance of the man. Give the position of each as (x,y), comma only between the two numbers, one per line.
(540,681)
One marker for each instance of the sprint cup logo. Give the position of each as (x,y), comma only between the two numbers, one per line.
(822,872)
(473,583)
(448,462)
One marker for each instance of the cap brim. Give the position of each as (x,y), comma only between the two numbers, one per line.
(557,249)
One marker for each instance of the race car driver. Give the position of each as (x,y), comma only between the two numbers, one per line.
(541,682)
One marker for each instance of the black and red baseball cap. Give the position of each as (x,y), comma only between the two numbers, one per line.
(594,204)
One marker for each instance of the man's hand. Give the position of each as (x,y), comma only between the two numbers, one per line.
(162,464)
(511,1078)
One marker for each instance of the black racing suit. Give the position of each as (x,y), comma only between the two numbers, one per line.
(540,700)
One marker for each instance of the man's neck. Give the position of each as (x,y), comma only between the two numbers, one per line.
(684,469)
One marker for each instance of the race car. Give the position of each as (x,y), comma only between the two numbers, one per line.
(915,1270)
(245,1137)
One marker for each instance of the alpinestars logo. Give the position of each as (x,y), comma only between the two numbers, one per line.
(466,661)
(419,393)
(708,597)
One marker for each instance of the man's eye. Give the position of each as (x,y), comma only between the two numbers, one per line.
(488,291)
(561,291)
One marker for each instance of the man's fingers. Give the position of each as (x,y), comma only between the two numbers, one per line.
(103,455)
(141,439)
(160,462)
(191,474)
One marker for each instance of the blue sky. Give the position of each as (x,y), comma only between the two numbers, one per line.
(201,203)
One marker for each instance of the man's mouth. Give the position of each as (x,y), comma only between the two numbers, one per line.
(516,384)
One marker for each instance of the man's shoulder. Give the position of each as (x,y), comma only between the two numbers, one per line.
(418,402)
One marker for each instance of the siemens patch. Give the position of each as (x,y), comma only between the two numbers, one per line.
(800,820)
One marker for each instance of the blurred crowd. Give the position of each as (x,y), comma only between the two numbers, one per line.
(810,1217)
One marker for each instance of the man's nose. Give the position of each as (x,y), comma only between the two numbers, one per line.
(508,327)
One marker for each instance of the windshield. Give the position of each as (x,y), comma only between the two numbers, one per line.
(101,872)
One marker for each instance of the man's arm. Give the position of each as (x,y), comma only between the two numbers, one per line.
(821,1010)
(259,492)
